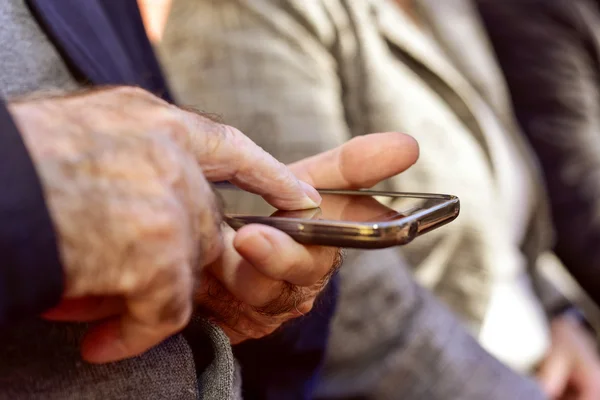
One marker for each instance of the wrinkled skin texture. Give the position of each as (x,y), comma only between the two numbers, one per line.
(267,278)
(125,177)
(571,369)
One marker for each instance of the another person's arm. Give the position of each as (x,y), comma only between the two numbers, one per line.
(546,50)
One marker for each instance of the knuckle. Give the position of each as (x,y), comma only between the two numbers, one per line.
(195,209)
(169,161)
(170,118)
(176,310)
(143,107)
(212,247)
(221,134)
(208,236)
(232,134)
(133,92)
(180,319)
(240,149)
(162,221)
(170,123)
(136,239)
(159,235)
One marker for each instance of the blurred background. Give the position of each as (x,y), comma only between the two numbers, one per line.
(502,96)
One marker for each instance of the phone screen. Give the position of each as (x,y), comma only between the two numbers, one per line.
(352,206)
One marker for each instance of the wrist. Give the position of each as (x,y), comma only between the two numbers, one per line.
(574,314)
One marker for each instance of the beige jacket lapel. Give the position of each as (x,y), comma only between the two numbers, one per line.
(400,32)
(451,21)
(404,36)
(472,74)
(468,69)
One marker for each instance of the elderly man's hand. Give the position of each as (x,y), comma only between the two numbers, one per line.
(125,176)
(264,278)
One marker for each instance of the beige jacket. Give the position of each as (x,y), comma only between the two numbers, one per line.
(303,76)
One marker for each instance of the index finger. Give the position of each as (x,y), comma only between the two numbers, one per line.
(225,153)
(359,163)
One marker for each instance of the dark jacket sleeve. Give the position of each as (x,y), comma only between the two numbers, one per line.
(31,278)
(549,53)
(288,363)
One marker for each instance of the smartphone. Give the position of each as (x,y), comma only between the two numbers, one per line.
(361,219)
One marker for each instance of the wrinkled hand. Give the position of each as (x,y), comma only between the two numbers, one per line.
(571,369)
(264,278)
(125,177)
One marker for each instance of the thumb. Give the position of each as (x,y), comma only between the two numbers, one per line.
(360,163)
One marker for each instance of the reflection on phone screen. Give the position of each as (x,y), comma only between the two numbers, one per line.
(355,207)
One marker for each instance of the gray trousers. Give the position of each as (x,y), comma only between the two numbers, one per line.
(40,360)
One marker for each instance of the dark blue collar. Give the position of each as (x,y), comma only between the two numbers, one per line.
(103,40)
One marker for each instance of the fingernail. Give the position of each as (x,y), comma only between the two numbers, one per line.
(313,195)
